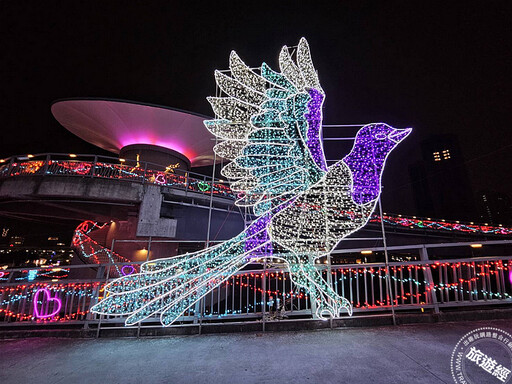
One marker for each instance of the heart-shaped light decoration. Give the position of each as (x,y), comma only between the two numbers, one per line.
(57,304)
(160,178)
(127,270)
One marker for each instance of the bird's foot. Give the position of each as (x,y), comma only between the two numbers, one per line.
(332,308)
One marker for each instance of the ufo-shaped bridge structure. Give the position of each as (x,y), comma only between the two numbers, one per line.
(146,132)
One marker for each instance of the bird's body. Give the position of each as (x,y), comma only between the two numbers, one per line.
(270,127)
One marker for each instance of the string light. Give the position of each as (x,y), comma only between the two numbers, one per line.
(114,171)
(49,303)
(45,312)
(430,224)
(91,250)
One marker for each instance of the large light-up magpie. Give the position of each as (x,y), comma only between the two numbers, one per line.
(269,125)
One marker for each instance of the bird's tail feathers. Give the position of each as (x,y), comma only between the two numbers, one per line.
(171,286)
(156,272)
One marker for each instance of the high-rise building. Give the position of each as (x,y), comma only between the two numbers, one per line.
(495,207)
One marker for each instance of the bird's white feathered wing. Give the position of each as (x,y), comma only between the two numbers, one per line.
(269,127)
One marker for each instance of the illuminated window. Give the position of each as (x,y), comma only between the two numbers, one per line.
(437,157)
(446,154)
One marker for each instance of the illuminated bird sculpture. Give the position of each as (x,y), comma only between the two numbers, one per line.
(269,125)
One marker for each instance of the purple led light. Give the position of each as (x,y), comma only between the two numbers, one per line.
(43,314)
(314,118)
(127,270)
(373,144)
(256,239)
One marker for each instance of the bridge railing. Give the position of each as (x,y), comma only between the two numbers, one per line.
(265,291)
(105,167)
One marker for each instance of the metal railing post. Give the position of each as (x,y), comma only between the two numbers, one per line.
(93,166)
(9,280)
(312,300)
(94,298)
(144,176)
(46,164)
(329,281)
(211,200)
(386,258)
(428,278)
(106,282)
(11,162)
(264,288)
(147,259)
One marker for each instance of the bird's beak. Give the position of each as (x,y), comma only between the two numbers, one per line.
(400,134)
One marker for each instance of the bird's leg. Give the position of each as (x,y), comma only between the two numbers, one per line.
(334,300)
(304,274)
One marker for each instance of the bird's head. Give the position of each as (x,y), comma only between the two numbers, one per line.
(381,138)
(372,145)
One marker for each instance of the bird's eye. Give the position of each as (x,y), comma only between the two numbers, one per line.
(380,136)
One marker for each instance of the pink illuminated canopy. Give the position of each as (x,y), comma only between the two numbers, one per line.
(113,124)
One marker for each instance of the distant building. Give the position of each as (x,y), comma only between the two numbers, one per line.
(440,180)
(495,208)
(16,240)
(31,256)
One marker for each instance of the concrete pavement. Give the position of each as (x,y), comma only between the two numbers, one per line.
(418,353)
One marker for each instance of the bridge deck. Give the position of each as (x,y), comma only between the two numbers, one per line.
(404,354)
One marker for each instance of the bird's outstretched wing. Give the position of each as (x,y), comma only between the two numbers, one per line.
(269,125)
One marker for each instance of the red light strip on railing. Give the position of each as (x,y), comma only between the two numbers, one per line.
(442,225)
(97,253)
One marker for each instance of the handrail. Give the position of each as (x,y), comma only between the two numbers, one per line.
(361,265)
(77,156)
(423,262)
(106,167)
(420,246)
(269,269)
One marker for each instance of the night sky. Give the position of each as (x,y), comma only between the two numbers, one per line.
(439,67)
